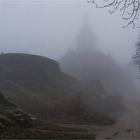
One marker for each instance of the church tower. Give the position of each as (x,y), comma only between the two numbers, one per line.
(86,38)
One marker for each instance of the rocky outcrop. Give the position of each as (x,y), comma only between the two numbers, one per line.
(11,116)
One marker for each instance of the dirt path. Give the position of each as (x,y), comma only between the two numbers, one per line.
(127,127)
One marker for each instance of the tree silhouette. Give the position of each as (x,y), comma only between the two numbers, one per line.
(136,57)
(129,9)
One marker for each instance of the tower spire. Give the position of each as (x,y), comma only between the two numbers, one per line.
(86,38)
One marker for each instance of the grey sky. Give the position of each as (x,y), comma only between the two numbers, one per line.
(50,27)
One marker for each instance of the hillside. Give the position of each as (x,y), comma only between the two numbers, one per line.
(37,85)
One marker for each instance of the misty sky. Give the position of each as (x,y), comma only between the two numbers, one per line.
(50,27)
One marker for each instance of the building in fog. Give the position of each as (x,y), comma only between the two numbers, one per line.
(86,61)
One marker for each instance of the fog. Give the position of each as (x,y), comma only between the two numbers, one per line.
(86,62)
(94,81)
(49,28)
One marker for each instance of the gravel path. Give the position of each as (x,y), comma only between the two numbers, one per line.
(127,127)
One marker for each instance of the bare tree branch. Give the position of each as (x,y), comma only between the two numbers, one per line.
(129,9)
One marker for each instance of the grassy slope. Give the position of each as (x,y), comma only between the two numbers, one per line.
(14,123)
